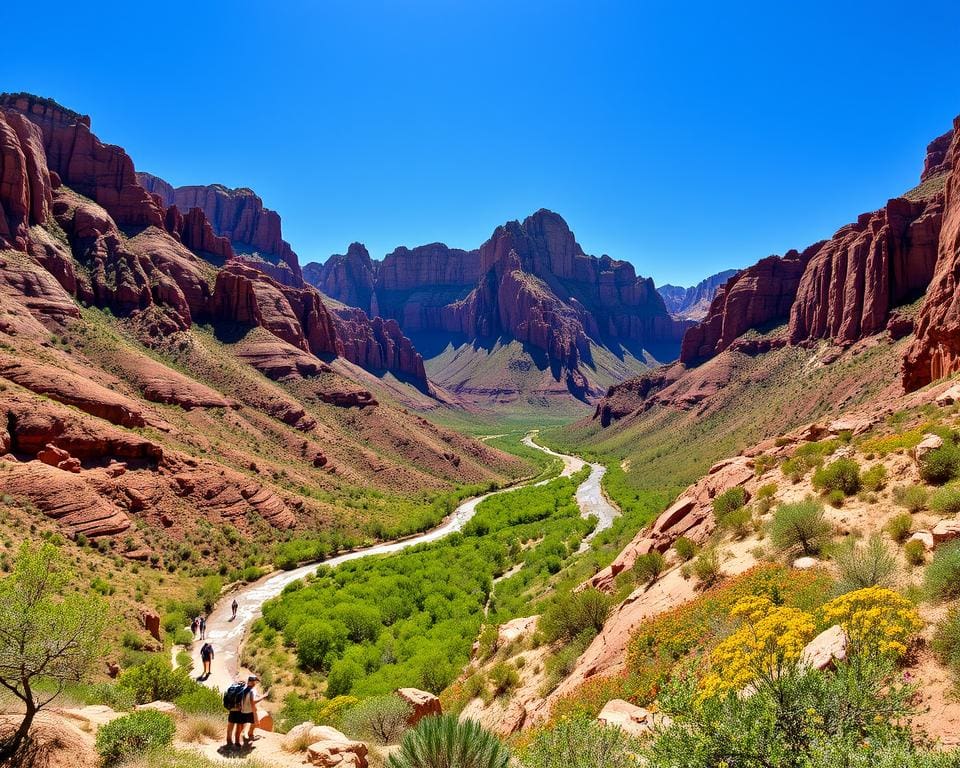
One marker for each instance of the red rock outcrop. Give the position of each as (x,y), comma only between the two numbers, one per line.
(936,351)
(377,344)
(25,191)
(238,215)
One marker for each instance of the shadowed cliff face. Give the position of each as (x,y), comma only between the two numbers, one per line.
(127,251)
(530,282)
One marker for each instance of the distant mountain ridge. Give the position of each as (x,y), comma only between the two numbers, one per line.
(692,303)
(582,321)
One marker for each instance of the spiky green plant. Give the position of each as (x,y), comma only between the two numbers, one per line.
(446,742)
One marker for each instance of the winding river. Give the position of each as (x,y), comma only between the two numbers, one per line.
(227,634)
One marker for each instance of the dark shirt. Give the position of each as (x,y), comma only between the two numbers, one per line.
(206,652)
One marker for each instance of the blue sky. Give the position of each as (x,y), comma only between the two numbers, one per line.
(684,137)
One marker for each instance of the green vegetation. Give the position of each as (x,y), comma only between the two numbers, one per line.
(864,565)
(945,501)
(942,577)
(912,497)
(874,479)
(648,567)
(900,527)
(941,465)
(915,552)
(381,719)
(377,624)
(445,742)
(46,636)
(685,548)
(729,501)
(577,613)
(134,734)
(155,680)
(579,742)
(800,525)
(842,475)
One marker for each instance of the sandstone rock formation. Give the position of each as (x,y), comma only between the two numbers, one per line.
(422,704)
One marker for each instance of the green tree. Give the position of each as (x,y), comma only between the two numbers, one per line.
(44,635)
(800,524)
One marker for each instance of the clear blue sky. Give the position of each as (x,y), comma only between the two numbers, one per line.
(686,137)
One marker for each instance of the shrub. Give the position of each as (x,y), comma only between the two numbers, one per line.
(911,497)
(841,475)
(382,719)
(729,501)
(131,640)
(942,578)
(706,567)
(875,478)
(574,613)
(836,497)
(899,527)
(648,567)
(878,621)
(343,674)
(945,501)
(155,680)
(738,522)
(182,636)
(915,552)
(200,700)
(504,678)
(316,641)
(579,742)
(800,524)
(940,465)
(684,548)
(866,565)
(946,639)
(133,735)
(445,741)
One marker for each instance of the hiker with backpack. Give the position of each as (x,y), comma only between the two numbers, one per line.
(202,624)
(206,656)
(235,606)
(241,700)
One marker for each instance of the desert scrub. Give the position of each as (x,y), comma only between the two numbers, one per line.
(940,465)
(945,501)
(685,548)
(573,613)
(133,735)
(800,525)
(874,479)
(842,475)
(648,567)
(729,501)
(942,577)
(579,742)
(900,527)
(738,522)
(878,621)
(503,678)
(946,640)
(705,567)
(381,719)
(915,552)
(864,565)
(913,498)
(445,741)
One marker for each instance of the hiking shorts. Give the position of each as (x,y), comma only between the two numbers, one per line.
(240,718)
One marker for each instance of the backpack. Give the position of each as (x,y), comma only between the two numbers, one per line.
(233,697)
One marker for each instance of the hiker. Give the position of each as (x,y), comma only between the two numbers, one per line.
(202,624)
(194,625)
(206,656)
(235,606)
(241,700)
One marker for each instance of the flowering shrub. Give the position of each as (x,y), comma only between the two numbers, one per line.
(768,644)
(878,621)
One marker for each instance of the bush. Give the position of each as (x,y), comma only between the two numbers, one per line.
(134,734)
(684,548)
(945,501)
(182,636)
(504,678)
(343,674)
(131,640)
(941,465)
(445,741)
(869,565)
(200,700)
(382,719)
(942,578)
(841,475)
(900,527)
(729,501)
(738,522)
(874,479)
(648,567)
(912,497)
(574,613)
(706,567)
(156,680)
(836,497)
(316,642)
(800,524)
(579,742)
(915,552)
(946,639)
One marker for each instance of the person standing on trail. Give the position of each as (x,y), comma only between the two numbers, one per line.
(243,711)
(194,625)
(206,656)
(202,624)
(235,606)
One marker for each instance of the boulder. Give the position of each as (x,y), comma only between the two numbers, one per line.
(297,735)
(825,649)
(113,670)
(158,706)
(151,622)
(515,629)
(927,444)
(805,563)
(945,530)
(949,396)
(334,750)
(924,537)
(423,703)
(633,720)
